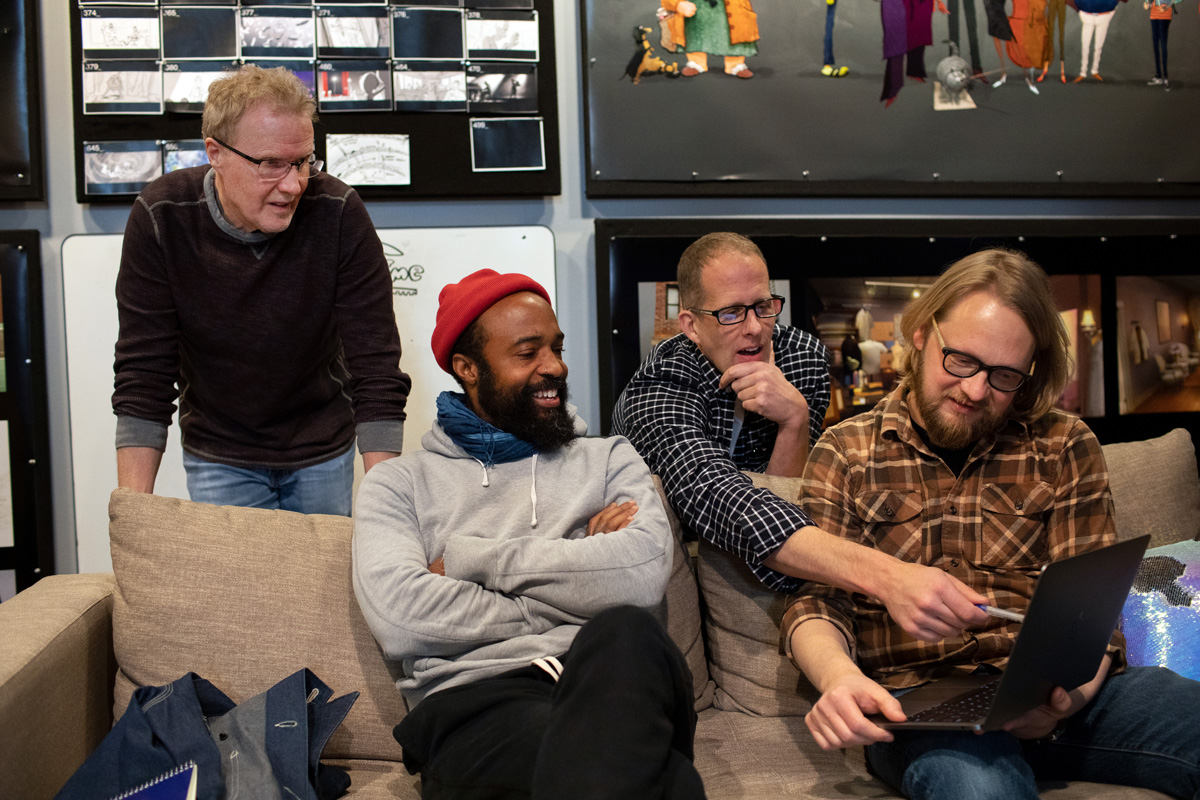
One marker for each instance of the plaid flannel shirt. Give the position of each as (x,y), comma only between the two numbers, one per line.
(682,423)
(1029,495)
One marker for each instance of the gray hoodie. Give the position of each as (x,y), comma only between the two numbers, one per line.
(521,576)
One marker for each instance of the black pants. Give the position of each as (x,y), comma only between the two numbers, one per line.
(618,724)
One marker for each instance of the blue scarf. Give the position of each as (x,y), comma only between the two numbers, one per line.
(480,439)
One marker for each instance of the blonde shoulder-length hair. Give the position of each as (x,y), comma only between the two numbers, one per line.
(1021,285)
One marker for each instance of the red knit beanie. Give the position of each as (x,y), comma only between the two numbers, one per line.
(460,304)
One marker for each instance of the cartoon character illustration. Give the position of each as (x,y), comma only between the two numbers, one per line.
(831,69)
(1030,45)
(964,10)
(907,31)
(1001,31)
(644,62)
(1095,16)
(726,28)
(1161,12)
(1056,13)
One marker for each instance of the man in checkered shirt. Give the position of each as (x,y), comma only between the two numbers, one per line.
(967,467)
(737,392)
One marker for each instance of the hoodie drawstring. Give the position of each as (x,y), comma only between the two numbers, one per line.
(532,488)
(533,493)
(485,477)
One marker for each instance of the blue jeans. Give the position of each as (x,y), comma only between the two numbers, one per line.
(323,488)
(1140,730)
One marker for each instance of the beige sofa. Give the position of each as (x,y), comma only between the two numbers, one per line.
(246,597)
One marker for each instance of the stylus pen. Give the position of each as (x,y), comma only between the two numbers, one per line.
(1000,612)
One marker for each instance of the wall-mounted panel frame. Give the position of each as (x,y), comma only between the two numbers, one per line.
(22,161)
(631,253)
(443,147)
(26,526)
(792,131)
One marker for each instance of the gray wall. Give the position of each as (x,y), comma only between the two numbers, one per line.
(570,216)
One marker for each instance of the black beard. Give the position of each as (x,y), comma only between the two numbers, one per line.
(516,412)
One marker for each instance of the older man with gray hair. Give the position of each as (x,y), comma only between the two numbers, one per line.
(255,291)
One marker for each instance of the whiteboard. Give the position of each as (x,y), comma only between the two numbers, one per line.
(421,260)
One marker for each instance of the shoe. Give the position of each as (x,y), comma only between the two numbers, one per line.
(1032,88)
(1078,80)
(1096,75)
(1166,84)
(740,71)
(830,71)
(1156,81)
(998,83)
(692,69)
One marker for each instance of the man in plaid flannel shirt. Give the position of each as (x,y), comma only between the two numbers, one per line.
(737,392)
(967,468)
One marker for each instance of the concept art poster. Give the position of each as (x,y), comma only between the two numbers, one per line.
(1001,93)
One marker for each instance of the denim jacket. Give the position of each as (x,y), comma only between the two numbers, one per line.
(267,747)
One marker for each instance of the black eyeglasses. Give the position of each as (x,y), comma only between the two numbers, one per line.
(732,315)
(962,365)
(274,169)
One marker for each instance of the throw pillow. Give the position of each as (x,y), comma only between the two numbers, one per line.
(245,597)
(1155,488)
(1161,619)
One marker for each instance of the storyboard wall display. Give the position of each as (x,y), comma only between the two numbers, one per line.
(428,99)
(26,530)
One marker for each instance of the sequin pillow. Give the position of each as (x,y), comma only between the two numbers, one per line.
(1162,613)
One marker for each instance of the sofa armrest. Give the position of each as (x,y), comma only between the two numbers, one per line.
(56,680)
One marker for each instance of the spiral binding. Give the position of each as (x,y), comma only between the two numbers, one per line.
(181,768)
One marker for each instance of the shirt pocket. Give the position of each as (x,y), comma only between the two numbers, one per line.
(892,521)
(1014,524)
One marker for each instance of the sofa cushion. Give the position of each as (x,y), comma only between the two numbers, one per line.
(742,621)
(1155,488)
(245,597)
(680,611)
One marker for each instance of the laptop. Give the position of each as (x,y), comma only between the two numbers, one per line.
(1067,628)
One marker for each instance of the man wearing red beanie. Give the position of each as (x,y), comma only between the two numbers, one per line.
(508,569)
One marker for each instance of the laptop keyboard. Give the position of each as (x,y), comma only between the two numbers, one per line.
(966,708)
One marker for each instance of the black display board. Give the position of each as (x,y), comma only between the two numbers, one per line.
(794,129)
(27,551)
(22,170)
(805,251)
(496,137)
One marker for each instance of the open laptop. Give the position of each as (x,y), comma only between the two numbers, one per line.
(1067,628)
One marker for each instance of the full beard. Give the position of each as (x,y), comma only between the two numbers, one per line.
(944,430)
(516,412)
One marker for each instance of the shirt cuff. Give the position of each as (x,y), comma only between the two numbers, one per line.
(137,432)
(383,435)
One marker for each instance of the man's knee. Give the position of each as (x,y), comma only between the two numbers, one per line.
(624,635)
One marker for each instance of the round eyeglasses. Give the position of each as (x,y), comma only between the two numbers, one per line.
(731,315)
(275,169)
(963,365)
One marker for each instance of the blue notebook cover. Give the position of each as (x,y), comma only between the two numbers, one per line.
(178,784)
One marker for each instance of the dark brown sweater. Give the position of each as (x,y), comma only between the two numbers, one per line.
(279,345)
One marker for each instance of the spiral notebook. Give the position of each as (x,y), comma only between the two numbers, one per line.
(178,784)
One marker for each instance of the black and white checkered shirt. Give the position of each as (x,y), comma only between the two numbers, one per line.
(682,423)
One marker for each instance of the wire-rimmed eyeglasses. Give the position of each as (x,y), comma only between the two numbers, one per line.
(731,315)
(963,365)
(274,169)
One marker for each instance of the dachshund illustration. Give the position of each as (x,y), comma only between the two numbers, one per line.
(644,62)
